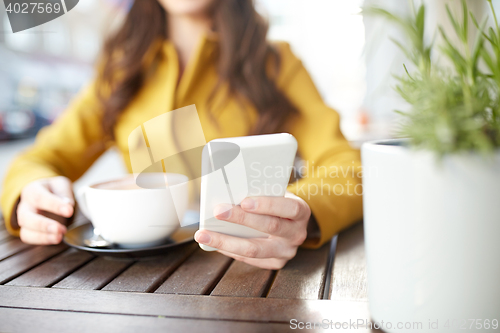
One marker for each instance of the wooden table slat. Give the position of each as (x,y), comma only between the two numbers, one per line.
(303,277)
(4,236)
(182,306)
(147,275)
(53,270)
(243,280)
(198,275)
(22,262)
(15,320)
(349,280)
(12,247)
(95,274)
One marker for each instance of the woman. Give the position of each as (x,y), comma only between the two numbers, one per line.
(212,53)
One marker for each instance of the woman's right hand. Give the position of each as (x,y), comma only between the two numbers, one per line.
(42,203)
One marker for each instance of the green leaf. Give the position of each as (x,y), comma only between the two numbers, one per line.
(420,22)
(465,13)
(493,36)
(454,23)
(407,72)
(453,53)
(478,46)
(481,29)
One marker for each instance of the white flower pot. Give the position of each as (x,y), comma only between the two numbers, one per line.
(432,233)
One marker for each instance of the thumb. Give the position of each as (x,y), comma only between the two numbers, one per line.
(62,187)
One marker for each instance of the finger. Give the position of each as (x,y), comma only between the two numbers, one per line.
(289,208)
(39,238)
(267,263)
(61,186)
(272,225)
(40,197)
(250,248)
(36,222)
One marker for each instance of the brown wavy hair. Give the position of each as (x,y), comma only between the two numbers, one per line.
(242,57)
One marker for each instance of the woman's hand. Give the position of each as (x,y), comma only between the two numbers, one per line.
(41,199)
(285,219)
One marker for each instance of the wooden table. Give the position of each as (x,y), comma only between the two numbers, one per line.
(59,289)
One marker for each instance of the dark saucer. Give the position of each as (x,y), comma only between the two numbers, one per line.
(75,236)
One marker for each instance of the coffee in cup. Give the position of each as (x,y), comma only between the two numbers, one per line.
(136,216)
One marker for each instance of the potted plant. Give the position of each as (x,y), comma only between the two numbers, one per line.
(432,200)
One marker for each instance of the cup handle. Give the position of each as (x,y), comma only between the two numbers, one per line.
(82,201)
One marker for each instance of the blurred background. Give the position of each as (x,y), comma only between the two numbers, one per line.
(350,58)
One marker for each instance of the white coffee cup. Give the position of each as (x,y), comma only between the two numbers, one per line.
(133,216)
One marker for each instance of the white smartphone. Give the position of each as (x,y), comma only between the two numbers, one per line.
(236,168)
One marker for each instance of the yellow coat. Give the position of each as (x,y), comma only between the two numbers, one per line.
(70,145)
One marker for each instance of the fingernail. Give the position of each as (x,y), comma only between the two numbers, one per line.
(65,210)
(203,238)
(223,211)
(68,200)
(248,204)
(52,229)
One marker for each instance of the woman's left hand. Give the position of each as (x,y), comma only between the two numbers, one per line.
(285,219)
